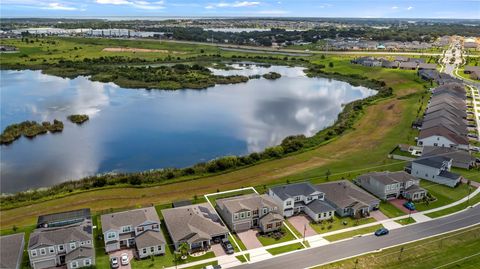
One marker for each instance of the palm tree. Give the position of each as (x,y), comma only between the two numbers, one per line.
(183,250)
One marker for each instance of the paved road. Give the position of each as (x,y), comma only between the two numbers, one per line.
(360,245)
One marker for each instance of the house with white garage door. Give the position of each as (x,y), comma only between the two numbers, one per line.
(249,211)
(69,246)
(302,198)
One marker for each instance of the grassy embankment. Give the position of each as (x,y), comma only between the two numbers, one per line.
(455,250)
(345,156)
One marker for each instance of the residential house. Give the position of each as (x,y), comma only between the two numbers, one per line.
(302,198)
(70,245)
(348,199)
(435,169)
(425,66)
(392,185)
(460,158)
(11,251)
(441,136)
(408,65)
(197,225)
(249,211)
(139,228)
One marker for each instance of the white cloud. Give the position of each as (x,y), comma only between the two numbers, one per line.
(136,4)
(233,4)
(59,6)
(394,7)
(409,8)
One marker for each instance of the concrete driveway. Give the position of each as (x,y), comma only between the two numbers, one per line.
(299,222)
(218,250)
(119,253)
(378,215)
(249,239)
(398,203)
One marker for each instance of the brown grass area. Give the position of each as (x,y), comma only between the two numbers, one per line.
(140,50)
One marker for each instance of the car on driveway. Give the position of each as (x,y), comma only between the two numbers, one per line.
(227,246)
(409,205)
(114,262)
(381,231)
(124,259)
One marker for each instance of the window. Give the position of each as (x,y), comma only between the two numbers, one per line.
(60,247)
(249,214)
(87,262)
(289,203)
(309,198)
(43,251)
(235,216)
(278,224)
(297,198)
(139,229)
(88,242)
(330,213)
(33,253)
(152,249)
(144,250)
(155,226)
(242,215)
(269,226)
(74,264)
(325,214)
(265,210)
(255,212)
(159,248)
(51,249)
(73,245)
(126,229)
(111,235)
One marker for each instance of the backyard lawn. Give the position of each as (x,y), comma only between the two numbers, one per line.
(455,250)
(366,230)
(444,195)
(286,248)
(337,224)
(267,241)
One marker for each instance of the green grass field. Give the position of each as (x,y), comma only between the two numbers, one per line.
(267,241)
(285,249)
(338,224)
(361,231)
(455,250)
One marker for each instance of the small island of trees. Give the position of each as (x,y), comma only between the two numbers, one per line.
(78,118)
(272,75)
(29,129)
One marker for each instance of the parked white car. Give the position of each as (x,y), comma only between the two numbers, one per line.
(124,259)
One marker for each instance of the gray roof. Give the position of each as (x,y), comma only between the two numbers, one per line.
(64,217)
(427,66)
(414,189)
(189,223)
(11,250)
(435,161)
(246,202)
(449,175)
(149,238)
(458,156)
(81,252)
(61,235)
(345,194)
(271,216)
(386,177)
(408,65)
(115,221)
(292,190)
(319,206)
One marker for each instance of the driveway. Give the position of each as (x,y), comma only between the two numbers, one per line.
(249,239)
(398,203)
(218,250)
(378,215)
(299,222)
(119,253)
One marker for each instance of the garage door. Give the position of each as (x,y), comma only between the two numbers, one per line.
(239,227)
(45,264)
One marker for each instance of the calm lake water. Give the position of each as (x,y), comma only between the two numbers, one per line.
(136,129)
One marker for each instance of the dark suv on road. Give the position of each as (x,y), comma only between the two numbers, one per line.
(227,246)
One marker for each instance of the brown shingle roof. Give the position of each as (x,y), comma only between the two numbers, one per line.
(344,193)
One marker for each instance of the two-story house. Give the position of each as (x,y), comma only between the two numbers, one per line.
(391,185)
(302,198)
(139,228)
(249,211)
(435,169)
(70,245)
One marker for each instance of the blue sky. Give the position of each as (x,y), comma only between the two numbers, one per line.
(287,8)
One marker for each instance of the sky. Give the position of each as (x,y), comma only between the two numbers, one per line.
(467,9)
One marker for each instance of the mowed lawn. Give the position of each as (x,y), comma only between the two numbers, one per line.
(455,250)
(363,149)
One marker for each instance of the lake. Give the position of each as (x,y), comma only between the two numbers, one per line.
(136,129)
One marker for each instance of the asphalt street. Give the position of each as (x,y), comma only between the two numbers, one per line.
(360,245)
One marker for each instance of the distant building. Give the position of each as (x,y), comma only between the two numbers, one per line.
(435,169)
